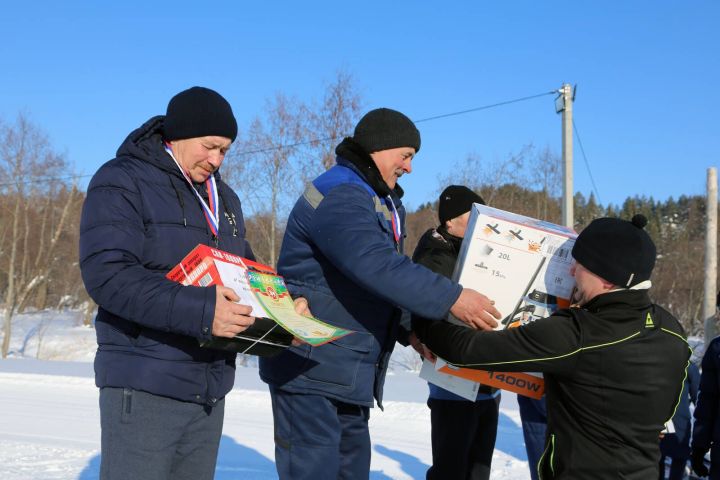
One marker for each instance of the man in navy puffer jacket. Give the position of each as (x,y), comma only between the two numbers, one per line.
(342,253)
(161,394)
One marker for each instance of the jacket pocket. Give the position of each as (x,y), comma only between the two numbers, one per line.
(112,330)
(338,362)
(149,338)
(127,406)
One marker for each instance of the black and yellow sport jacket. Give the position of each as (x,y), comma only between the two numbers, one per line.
(613,369)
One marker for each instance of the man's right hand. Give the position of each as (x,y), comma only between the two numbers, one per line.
(230,318)
(424,352)
(476,310)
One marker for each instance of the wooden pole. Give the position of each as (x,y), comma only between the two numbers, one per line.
(709,298)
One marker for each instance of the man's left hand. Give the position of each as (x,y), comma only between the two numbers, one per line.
(301,308)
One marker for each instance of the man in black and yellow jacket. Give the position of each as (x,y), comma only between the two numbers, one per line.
(614,362)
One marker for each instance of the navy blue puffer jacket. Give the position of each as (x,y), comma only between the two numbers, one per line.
(140,218)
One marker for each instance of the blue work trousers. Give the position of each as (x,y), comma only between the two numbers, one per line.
(533,415)
(319,438)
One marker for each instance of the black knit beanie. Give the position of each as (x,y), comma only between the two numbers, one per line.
(199,112)
(616,250)
(456,200)
(383,129)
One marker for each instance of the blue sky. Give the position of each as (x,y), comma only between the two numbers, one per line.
(648,75)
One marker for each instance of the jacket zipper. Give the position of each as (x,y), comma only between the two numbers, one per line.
(551,448)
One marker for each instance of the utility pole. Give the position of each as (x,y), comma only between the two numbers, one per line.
(564,105)
(709,298)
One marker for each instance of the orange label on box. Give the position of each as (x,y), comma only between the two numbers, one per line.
(521,383)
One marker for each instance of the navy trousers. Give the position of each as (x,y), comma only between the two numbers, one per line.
(534,424)
(678,449)
(319,438)
(714,463)
(148,437)
(677,469)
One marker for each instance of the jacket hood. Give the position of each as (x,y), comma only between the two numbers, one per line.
(351,151)
(146,143)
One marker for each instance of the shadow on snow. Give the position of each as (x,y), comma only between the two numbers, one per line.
(234,461)
(237,461)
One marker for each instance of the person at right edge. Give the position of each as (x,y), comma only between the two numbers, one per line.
(462,432)
(706,429)
(614,363)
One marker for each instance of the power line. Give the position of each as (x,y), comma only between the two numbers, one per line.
(428,119)
(321,140)
(587,165)
(485,107)
(287,145)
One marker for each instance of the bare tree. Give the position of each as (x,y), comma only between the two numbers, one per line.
(27,163)
(547,168)
(46,259)
(270,166)
(471,172)
(333,118)
(487,178)
(417,223)
(287,145)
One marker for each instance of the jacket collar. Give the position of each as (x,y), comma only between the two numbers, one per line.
(635,299)
(353,154)
(449,238)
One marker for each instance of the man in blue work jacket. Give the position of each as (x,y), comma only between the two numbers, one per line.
(342,253)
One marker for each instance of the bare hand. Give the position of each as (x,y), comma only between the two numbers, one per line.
(476,310)
(230,318)
(421,348)
(301,308)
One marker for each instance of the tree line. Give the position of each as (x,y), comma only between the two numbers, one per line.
(286,145)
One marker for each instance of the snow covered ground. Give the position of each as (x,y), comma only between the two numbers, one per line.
(49,426)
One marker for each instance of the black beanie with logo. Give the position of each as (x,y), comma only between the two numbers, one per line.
(616,250)
(384,129)
(456,200)
(199,112)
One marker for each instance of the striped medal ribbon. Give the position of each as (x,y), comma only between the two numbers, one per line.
(212,212)
(395,220)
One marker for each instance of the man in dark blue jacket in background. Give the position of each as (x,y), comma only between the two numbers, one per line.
(342,253)
(463,432)
(161,394)
(706,429)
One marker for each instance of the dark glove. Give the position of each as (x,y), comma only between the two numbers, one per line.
(419,326)
(697,461)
